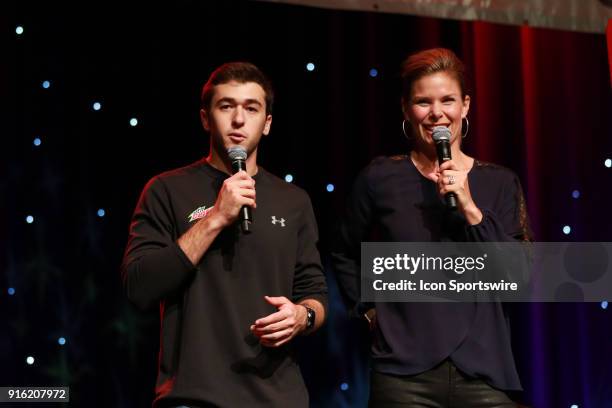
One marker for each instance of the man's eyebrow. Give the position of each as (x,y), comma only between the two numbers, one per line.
(248,101)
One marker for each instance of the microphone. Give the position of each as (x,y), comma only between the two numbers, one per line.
(441,136)
(238,156)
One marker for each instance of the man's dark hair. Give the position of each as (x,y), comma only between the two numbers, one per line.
(241,72)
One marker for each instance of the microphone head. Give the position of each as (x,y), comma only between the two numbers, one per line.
(237,153)
(441,134)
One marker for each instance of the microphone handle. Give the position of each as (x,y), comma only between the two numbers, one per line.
(245,212)
(444,154)
(245,219)
(451,200)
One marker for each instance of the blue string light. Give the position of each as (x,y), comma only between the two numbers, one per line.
(330,187)
(288,178)
(11,292)
(19,30)
(604,304)
(97,106)
(133,122)
(373,72)
(344,386)
(61,341)
(575,193)
(37,141)
(29,219)
(310,66)
(101,212)
(46,84)
(567,229)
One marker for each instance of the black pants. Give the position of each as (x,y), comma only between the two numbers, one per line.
(444,386)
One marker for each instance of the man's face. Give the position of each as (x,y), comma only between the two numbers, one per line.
(237,116)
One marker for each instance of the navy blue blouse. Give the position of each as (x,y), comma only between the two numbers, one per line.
(392,201)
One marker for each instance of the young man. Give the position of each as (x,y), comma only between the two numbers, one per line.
(230,302)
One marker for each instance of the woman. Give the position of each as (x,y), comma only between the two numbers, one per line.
(434,354)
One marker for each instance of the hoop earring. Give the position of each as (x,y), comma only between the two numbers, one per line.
(404,129)
(467,127)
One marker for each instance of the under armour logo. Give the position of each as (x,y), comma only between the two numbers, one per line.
(274,221)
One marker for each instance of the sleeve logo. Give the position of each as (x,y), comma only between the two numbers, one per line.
(199,212)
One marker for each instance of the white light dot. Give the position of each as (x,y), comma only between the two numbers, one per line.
(61,341)
(330,187)
(97,106)
(101,212)
(344,386)
(574,406)
(604,304)
(19,30)
(11,291)
(29,219)
(37,141)
(46,84)
(310,66)
(133,121)
(575,193)
(288,178)
(567,229)
(608,163)
(30,360)
(373,72)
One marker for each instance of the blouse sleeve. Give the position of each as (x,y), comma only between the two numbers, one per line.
(508,221)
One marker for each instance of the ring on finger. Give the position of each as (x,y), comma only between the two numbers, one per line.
(451,180)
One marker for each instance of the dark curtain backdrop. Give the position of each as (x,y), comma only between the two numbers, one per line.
(541,106)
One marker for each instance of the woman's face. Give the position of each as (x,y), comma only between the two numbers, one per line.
(435,100)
